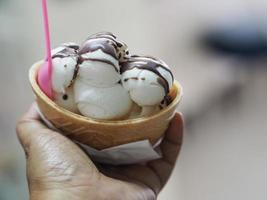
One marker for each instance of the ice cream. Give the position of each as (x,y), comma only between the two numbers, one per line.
(64,60)
(111,102)
(148,81)
(98,91)
(101,80)
(122,52)
(66,100)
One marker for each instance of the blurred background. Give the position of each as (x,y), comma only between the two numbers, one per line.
(217,50)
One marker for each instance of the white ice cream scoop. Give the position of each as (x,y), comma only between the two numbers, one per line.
(63,72)
(100,56)
(122,52)
(97,89)
(102,102)
(148,81)
(66,100)
(99,68)
(64,65)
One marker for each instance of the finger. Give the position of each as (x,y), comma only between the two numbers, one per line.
(29,124)
(172,142)
(47,150)
(157,172)
(32,113)
(135,173)
(175,131)
(170,147)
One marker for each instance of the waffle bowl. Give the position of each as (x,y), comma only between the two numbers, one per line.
(102,134)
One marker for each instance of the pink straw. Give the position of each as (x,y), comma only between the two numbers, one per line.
(47,37)
(45,72)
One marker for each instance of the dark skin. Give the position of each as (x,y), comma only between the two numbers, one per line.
(58,169)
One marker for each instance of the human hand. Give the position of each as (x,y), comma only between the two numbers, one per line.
(58,169)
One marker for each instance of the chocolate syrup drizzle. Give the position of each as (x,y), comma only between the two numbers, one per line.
(104,41)
(67,51)
(74,46)
(108,43)
(151,64)
(108,36)
(120,47)
(92,45)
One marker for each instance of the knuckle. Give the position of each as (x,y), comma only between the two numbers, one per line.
(21,127)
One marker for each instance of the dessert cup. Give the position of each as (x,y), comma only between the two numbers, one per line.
(102,134)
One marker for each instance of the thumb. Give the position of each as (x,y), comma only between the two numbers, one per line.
(54,163)
(37,140)
(28,126)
